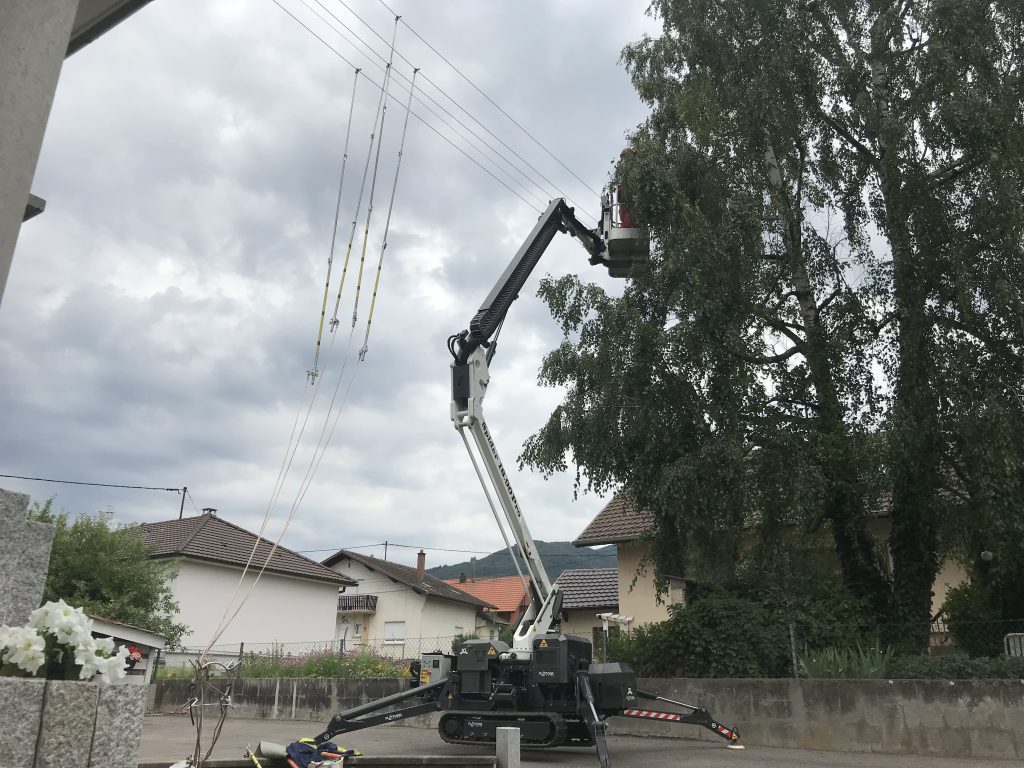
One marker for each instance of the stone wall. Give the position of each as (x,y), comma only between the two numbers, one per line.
(953,718)
(283,698)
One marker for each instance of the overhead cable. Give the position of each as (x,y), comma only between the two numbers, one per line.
(496,105)
(440,135)
(387,224)
(98,485)
(334,232)
(360,41)
(439,89)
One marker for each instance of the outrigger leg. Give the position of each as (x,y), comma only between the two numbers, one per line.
(431,700)
(696,716)
(594,722)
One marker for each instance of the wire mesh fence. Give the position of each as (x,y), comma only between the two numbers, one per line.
(939,649)
(361,657)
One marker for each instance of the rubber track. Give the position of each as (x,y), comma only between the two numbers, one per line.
(559,737)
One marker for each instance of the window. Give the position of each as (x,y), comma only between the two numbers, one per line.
(458,631)
(358,631)
(394,632)
(676,592)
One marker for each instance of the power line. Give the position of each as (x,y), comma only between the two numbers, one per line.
(506,114)
(395,73)
(99,485)
(337,53)
(469,114)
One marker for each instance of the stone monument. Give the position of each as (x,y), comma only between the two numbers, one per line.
(55,723)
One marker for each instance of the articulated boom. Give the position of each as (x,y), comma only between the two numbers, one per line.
(547,684)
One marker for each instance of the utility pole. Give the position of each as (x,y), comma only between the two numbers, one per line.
(385,550)
(181,510)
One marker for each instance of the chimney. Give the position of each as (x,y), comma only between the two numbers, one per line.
(421,564)
(462,578)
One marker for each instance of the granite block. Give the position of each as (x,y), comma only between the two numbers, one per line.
(21,709)
(69,717)
(118,733)
(25,554)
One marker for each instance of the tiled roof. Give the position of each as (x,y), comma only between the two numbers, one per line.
(620,520)
(506,593)
(214,539)
(428,585)
(589,588)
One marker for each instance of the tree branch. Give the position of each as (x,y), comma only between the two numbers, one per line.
(862,150)
(829,299)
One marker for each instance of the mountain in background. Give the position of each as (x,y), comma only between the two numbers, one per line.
(557,556)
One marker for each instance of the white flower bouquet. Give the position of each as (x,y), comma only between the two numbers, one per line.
(57,644)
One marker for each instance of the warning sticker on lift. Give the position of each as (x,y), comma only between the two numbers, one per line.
(543,644)
(491,651)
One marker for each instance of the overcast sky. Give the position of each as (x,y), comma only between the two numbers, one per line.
(160,316)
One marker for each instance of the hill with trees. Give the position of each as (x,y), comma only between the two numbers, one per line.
(557,556)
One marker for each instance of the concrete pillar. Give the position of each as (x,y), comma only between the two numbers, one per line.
(507,747)
(34,37)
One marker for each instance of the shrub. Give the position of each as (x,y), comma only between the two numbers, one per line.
(458,640)
(974,621)
(325,663)
(955,667)
(719,635)
(858,662)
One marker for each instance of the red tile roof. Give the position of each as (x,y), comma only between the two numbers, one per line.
(214,539)
(506,593)
(620,520)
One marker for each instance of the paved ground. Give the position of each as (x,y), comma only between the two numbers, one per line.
(171,737)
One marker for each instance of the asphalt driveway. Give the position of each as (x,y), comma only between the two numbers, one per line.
(172,737)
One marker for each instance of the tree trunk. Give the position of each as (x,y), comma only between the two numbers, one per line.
(843,503)
(914,428)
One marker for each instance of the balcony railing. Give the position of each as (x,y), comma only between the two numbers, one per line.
(357,603)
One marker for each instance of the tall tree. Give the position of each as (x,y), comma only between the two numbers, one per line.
(826,212)
(106,571)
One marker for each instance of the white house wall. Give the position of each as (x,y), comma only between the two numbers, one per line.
(430,622)
(281,609)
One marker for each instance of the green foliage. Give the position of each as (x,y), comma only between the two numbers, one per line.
(458,640)
(974,619)
(955,667)
(744,632)
(106,570)
(507,634)
(859,662)
(833,313)
(325,663)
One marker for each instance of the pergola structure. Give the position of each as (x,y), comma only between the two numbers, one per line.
(35,38)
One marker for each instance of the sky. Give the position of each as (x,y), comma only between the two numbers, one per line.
(161,315)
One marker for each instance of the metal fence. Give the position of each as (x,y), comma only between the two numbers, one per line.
(361,654)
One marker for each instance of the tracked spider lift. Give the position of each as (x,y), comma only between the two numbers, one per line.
(546,684)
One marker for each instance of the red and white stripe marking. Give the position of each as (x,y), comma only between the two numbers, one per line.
(652,715)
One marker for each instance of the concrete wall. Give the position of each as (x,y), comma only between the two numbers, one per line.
(282,699)
(981,719)
(281,609)
(961,718)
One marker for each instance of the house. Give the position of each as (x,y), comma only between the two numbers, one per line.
(510,595)
(622,523)
(295,601)
(587,592)
(397,610)
(626,526)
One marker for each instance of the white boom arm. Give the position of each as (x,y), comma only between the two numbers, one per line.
(615,248)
